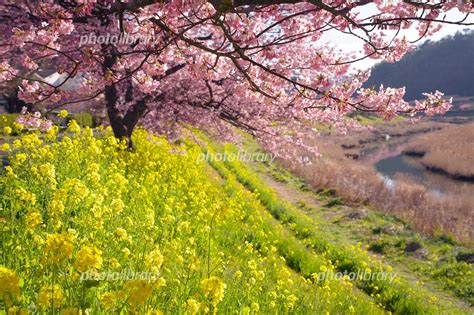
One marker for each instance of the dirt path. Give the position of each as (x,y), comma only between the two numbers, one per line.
(350,225)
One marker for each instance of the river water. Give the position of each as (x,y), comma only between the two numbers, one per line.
(389,161)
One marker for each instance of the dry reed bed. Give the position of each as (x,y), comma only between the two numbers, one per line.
(414,203)
(450,151)
(356,184)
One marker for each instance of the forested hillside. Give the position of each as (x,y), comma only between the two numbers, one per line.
(445,65)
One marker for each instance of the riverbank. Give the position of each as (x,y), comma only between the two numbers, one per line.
(391,239)
(347,165)
(448,151)
(356,145)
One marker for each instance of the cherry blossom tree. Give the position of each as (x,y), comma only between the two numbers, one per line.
(258,65)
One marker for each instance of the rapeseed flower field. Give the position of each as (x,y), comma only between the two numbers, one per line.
(90,227)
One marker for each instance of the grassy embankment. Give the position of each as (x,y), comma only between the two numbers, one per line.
(359,183)
(83,204)
(438,262)
(78,209)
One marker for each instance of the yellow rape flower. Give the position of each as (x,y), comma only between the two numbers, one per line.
(5,147)
(139,291)
(52,133)
(114,263)
(238,274)
(25,195)
(50,296)
(126,252)
(255,307)
(154,260)
(48,171)
(76,189)
(252,264)
(117,205)
(69,311)
(56,205)
(9,285)
(112,300)
(63,113)
(213,288)
(33,219)
(73,127)
(17,144)
(290,301)
(17,310)
(89,257)
(59,246)
(17,126)
(159,283)
(121,233)
(192,306)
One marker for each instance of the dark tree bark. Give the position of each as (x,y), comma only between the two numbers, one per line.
(14,104)
(122,126)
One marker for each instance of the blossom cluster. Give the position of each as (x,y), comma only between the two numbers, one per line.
(35,120)
(269,72)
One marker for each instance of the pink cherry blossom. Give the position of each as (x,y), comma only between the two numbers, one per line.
(263,69)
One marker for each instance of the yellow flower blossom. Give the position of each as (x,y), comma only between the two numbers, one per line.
(89,257)
(154,260)
(255,307)
(33,219)
(112,300)
(126,252)
(213,288)
(139,291)
(121,233)
(9,285)
(238,274)
(69,311)
(5,147)
(17,310)
(192,306)
(63,113)
(50,297)
(73,127)
(59,246)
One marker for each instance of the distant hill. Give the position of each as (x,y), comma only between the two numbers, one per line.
(446,65)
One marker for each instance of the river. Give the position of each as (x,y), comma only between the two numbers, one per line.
(389,160)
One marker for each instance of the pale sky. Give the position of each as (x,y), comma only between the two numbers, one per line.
(349,43)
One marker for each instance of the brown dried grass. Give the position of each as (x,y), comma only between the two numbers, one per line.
(355,183)
(450,150)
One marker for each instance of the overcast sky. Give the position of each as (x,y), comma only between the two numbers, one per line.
(349,43)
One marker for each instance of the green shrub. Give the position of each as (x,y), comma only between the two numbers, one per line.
(7,119)
(84,119)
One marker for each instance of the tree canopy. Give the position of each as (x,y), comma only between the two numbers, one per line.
(259,65)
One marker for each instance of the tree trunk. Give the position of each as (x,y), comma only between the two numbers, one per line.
(121,126)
